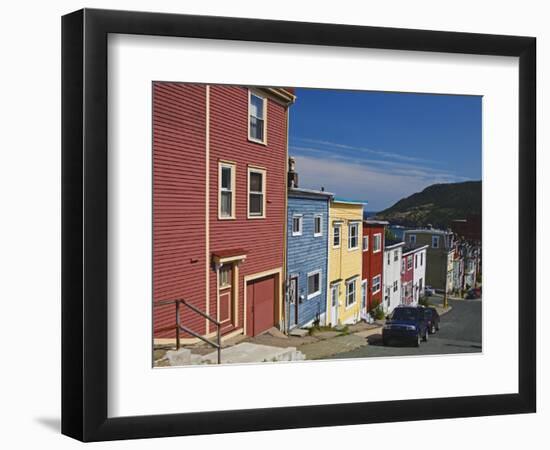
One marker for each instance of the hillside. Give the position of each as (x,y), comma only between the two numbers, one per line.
(438,205)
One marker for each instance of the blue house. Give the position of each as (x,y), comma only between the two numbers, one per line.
(307,256)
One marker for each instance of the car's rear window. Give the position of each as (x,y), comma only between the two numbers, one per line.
(404,314)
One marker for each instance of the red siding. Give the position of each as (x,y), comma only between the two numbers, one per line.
(373,263)
(179,225)
(179,139)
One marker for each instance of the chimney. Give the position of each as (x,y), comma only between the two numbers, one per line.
(292,174)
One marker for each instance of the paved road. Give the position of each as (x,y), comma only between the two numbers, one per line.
(460,332)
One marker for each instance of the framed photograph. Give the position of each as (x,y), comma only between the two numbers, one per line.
(273,225)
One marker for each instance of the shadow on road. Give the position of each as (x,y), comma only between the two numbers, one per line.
(376,340)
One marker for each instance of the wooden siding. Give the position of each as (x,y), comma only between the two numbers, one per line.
(179,239)
(307,253)
(261,238)
(373,263)
(343,263)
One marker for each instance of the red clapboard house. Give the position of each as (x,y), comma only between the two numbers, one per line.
(219,209)
(373,262)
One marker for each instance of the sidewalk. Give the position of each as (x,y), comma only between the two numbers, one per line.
(319,343)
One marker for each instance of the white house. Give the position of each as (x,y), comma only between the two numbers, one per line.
(419,273)
(392,274)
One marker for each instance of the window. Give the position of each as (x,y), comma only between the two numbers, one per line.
(421,286)
(257,113)
(409,262)
(365,243)
(421,258)
(350,292)
(376,284)
(412,239)
(225,276)
(377,244)
(416,261)
(313,284)
(317,225)
(256,193)
(435,241)
(402,266)
(353,236)
(395,255)
(336,236)
(388,258)
(226,199)
(395,286)
(297,225)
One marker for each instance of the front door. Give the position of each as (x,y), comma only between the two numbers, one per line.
(334,289)
(293,301)
(226,309)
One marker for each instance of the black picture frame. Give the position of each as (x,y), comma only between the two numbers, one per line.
(84,224)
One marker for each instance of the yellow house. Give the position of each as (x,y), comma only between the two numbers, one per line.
(344,262)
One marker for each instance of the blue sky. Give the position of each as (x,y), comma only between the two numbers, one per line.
(381,146)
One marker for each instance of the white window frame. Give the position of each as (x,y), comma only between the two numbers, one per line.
(264,184)
(348,284)
(379,243)
(366,241)
(300,218)
(320,217)
(434,240)
(339,226)
(353,224)
(233,167)
(409,262)
(412,238)
(318,292)
(374,283)
(264,99)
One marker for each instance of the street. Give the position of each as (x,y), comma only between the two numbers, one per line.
(460,332)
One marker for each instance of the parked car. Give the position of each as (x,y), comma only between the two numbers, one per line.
(429,291)
(432,316)
(473,293)
(406,323)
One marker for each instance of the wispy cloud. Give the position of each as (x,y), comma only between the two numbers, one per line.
(380,181)
(381,153)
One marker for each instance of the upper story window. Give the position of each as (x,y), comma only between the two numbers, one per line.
(226,199)
(409,262)
(377,243)
(318,225)
(389,259)
(353,236)
(402,266)
(421,258)
(297,225)
(395,255)
(257,108)
(376,284)
(365,243)
(336,235)
(412,238)
(351,293)
(256,193)
(435,241)
(415,261)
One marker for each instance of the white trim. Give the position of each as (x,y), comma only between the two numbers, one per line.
(320,217)
(350,225)
(365,249)
(318,292)
(339,226)
(374,243)
(409,257)
(207,207)
(264,98)
(379,283)
(350,281)
(233,167)
(301,227)
(264,184)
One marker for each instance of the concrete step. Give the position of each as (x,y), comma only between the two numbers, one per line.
(247,352)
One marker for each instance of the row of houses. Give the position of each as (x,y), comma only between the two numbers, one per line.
(237,238)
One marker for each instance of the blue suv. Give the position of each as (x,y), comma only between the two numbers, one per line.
(406,323)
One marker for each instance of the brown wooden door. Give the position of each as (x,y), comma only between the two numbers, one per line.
(260,296)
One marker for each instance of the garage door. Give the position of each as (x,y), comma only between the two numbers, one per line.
(260,304)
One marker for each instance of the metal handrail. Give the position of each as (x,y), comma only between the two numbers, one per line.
(179,327)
